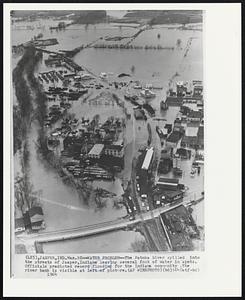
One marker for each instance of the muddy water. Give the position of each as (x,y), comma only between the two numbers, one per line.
(62,206)
(120,241)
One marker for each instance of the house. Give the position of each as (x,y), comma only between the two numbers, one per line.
(19,225)
(36,217)
(96,151)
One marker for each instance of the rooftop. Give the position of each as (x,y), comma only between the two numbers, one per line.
(114,147)
(35,210)
(19,222)
(200,132)
(174,137)
(191,131)
(147,159)
(189,139)
(195,114)
(96,150)
(168,180)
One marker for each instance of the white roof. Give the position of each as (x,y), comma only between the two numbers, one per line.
(147,159)
(96,150)
(167,183)
(164,130)
(191,131)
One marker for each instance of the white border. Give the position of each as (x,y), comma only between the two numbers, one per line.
(222,169)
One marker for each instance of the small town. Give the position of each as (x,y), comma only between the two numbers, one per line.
(126,146)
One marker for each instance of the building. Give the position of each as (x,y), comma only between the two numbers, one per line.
(148,159)
(200,137)
(115,150)
(36,217)
(189,142)
(19,225)
(191,130)
(96,151)
(181,89)
(168,184)
(193,138)
(163,105)
(139,114)
(146,166)
(198,90)
(195,115)
(173,139)
(183,153)
(185,110)
(167,196)
(199,157)
(174,101)
(169,127)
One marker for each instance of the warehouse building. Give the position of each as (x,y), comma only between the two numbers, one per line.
(96,151)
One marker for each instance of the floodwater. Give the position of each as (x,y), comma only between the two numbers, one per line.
(119,241)
(61,204)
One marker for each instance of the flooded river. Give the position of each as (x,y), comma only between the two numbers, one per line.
(62,206)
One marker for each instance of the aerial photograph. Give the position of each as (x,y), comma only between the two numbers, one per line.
(107,131)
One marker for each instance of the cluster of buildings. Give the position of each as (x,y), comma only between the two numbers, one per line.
(60,60)
(32,219)
(179,139)
(98,148)
(167,190)
(187,131)
(161,192)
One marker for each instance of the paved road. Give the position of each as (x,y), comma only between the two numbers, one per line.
(94,229)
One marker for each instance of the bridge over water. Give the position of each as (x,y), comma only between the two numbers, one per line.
(95,229)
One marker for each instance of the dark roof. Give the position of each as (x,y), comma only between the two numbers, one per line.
(37,223)
(200,132)
(182,151)
(171,194)
(35,210)
(26,219)
(200,136)
(114,147)
(193,124)
(189,140)
(168,180)
(19,222)
(174,137)
(195,114)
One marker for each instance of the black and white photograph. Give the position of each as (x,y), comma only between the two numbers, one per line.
(122,149)
(108,131)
